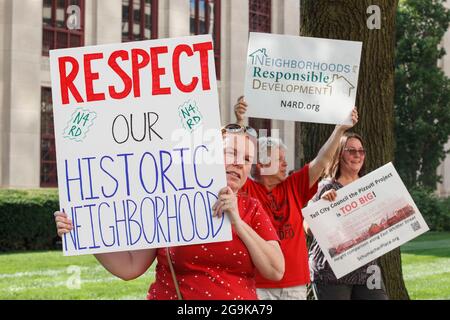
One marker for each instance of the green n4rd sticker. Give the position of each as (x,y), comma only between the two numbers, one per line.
(79,124)
(190,115)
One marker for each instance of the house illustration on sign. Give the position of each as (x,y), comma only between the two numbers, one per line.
(339,85)
(259,54)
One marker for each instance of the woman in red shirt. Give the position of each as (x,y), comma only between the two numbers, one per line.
(224,270)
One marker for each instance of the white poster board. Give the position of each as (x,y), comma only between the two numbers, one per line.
(370,217)
(138,143)
(301,79)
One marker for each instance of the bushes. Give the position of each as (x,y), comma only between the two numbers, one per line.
(26,219)
(436,211)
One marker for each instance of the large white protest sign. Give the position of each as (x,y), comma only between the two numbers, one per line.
(369,218)
(139,147)
(301,79)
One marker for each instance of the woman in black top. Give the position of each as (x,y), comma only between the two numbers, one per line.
(346,167)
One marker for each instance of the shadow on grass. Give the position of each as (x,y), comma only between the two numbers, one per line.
(435,244)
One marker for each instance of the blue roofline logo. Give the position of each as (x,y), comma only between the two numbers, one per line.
(259,55)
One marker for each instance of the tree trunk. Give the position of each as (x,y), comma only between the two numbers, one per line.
(347,20)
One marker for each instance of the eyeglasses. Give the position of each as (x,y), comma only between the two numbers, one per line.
(236,128)
(353,152)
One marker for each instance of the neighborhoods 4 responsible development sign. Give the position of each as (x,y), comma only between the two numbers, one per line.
(369,218)
(139,149)
(301,79)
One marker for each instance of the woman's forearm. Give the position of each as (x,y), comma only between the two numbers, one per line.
(325,155)
(127,265)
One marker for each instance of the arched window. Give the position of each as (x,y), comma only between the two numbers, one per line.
(205,19)
(55,17)
(139,20)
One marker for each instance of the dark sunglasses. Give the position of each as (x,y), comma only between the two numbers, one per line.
(353,152)
(236,128)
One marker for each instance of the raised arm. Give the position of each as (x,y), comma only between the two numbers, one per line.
(325,155)
(126,265)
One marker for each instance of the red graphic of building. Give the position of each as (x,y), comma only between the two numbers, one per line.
(391,219)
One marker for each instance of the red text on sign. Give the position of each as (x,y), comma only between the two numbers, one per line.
(140,61)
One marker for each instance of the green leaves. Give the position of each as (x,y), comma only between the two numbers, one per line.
(435,211)
(422,95)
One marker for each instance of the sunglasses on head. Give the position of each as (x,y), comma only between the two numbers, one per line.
(354,152)
(237,128)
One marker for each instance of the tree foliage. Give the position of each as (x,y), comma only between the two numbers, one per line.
(422,94)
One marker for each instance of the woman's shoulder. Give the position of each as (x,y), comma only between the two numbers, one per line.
(327,184)
(247,201)
(250,207)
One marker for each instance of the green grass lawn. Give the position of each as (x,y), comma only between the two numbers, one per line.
(49,275)
(426,266)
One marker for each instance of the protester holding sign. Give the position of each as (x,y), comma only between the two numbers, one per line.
(223,270)
(134,123)
(346,167)
(283,198)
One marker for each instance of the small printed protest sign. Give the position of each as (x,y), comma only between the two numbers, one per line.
(370,217)
(138,143)
(301,79)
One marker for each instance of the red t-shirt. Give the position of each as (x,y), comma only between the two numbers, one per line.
(218,271)
(284,205)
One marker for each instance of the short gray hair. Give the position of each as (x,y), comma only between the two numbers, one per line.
(265,144)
